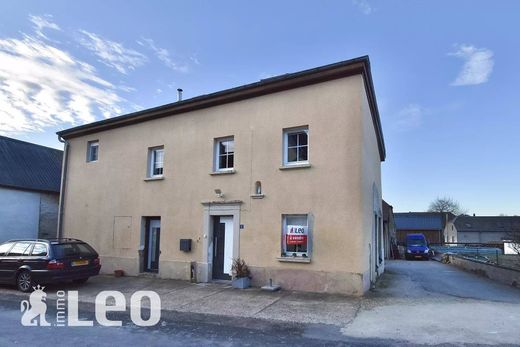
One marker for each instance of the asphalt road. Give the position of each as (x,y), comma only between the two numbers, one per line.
(174,329)
(416,303)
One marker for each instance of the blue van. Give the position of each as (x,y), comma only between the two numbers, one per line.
(417,247)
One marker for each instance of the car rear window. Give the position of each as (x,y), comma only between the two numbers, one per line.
(64,250)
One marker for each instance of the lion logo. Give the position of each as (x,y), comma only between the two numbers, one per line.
(34,307)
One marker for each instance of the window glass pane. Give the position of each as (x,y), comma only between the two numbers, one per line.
(292,140)
(230,161)
(5,247)
(295,242)
(19,248)
(39,250)
(296,220)
(230,146)
(292,154)
(222,162)
(226,147)
(93,148)
(302,153)
(302,138)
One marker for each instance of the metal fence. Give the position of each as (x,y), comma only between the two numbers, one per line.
(487,253)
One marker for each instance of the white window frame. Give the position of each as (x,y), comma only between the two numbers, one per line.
(286,133)
(90,145)
(217,154)
(284,237)
(152,153)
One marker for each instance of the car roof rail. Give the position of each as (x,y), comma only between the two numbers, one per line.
(64,239)
(28,240)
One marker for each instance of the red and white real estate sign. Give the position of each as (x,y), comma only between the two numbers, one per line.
(297,234)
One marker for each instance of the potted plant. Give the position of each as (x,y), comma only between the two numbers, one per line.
(241,274)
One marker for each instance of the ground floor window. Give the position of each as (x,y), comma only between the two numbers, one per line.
(295,235)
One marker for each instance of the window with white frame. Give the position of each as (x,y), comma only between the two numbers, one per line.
(295,235)
(224,154)
(156,161)
(296,146)
(92,151)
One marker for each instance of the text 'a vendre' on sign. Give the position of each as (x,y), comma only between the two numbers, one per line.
(297,234)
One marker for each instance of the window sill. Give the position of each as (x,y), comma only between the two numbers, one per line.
(294,260)
(295,166)
(257,196)
(223,172)
(157,178)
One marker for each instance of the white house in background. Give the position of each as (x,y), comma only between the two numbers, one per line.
(30,178)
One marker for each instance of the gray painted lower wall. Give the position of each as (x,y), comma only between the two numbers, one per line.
(27,214)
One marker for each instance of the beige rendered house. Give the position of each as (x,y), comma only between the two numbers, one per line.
(284,173)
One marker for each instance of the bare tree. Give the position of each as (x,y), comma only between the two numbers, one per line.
(445,204)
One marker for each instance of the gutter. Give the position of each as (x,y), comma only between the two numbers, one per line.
(59,231)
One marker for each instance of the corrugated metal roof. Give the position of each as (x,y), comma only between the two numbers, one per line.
(419,221)
(487,223)
(24,165)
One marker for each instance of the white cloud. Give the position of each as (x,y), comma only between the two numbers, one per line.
(43,86)
(364,6)
(112,53)
(164,55)
(478,65)
(409,117)
(43,22)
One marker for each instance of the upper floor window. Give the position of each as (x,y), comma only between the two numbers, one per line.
(224,154)
(156,161)
(92,150)
(296,146)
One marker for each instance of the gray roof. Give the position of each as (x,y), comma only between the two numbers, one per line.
(487,223)
(360,65)
(419,221)
(24,165)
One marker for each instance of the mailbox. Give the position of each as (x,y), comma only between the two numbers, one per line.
(186,245)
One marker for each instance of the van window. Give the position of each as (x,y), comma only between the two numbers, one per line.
(416,242)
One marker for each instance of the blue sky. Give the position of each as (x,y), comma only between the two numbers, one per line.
(444,73)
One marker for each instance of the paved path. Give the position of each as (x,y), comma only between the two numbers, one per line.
(416,302)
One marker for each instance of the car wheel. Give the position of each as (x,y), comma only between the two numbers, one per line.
(80,280)
(24,281)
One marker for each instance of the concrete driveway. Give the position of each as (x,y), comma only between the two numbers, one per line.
(416,302)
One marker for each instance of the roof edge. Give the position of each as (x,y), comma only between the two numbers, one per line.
(360,65)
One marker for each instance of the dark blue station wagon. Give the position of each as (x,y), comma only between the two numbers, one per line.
(27,263)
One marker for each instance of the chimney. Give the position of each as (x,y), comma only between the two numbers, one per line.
(179,94)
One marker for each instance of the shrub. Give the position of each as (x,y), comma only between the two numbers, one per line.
(240,268)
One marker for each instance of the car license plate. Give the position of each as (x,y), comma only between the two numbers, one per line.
(79,262)
(418,256)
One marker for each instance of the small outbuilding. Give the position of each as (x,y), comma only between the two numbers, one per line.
(30,177)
